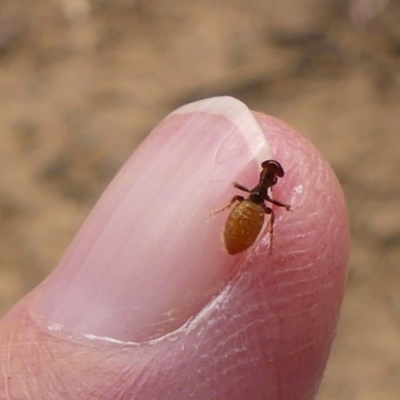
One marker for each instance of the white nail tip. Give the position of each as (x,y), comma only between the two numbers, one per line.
(240,115)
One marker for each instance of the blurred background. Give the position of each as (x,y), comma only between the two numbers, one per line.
(83,82)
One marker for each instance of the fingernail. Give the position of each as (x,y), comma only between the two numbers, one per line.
(149,256)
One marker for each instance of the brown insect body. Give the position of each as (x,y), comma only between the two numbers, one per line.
(243,226)
(246,219)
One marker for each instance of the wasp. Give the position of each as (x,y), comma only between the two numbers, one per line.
(246,219)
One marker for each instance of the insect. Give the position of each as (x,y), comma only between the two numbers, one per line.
(247,217)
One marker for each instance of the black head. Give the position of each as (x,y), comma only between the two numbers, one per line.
(273,167)
(271,171)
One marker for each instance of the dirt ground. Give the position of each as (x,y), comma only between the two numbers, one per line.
(83,83)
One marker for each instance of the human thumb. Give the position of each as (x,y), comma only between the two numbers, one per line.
(148,304)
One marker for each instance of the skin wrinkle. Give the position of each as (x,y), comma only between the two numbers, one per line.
(296,281)
(95,391)
(300,235)
(55,379)
(298,349)
(297,296)
(14,389)
(290,271)
(232,352)
(283,295)
(299,299)
(57,375)
(304,280)
(200,377)
(27,367)
(127,374)
(130,380)
(24,369)
(141,376)
(293,315)
(120,393)
(161,373)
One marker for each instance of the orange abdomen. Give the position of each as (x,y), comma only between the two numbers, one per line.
(243,226)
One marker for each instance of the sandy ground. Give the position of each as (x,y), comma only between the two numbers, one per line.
(82,84)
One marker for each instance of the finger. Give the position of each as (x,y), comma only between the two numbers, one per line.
(147,303)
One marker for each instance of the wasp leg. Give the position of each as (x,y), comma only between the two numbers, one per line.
(270,211)
(233,200)
(241,187)
(278,203)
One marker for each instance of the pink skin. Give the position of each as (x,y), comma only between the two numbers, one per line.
(140,310)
